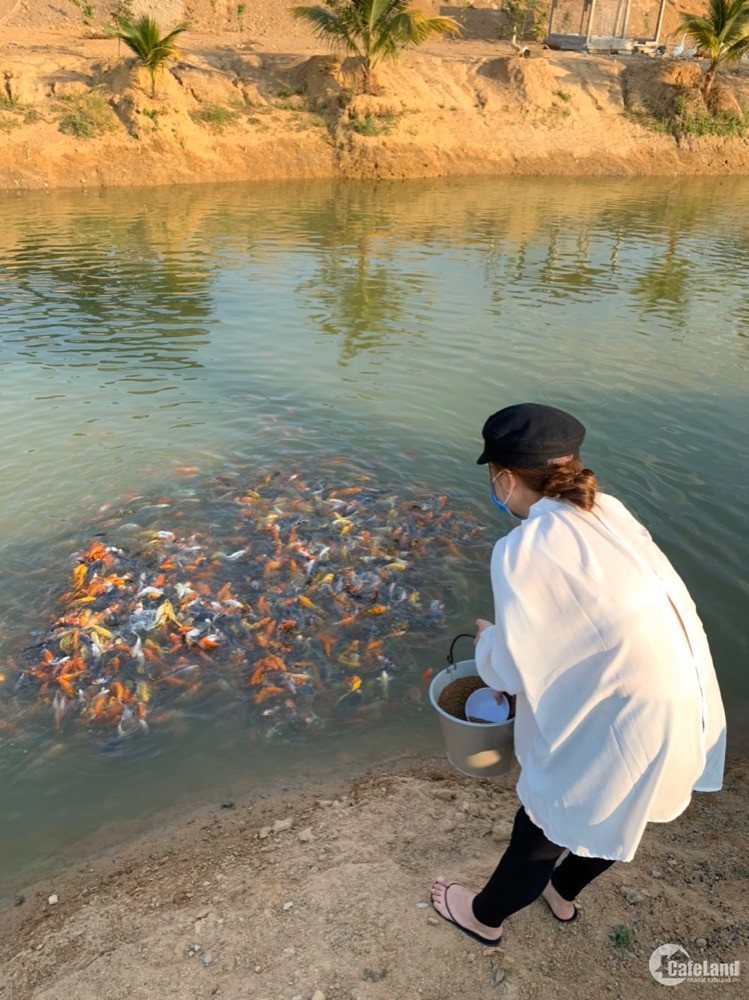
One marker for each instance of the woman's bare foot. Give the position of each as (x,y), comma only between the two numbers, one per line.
(560,907)
(456,906)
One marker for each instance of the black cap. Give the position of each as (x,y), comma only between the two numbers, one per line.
(529,434)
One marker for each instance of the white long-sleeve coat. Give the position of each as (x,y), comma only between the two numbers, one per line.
(619,715)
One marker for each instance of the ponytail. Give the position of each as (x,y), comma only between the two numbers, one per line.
(568,481)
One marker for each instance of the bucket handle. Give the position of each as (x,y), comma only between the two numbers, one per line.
(450,658)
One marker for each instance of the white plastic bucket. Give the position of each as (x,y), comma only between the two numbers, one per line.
(478,749)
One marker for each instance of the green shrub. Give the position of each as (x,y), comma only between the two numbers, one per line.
(704,123)
(215,116)
(14,114)
(684,123)
(86,116)
(86,9)
(372,125)
(621,937)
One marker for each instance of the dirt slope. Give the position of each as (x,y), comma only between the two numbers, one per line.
(76,115)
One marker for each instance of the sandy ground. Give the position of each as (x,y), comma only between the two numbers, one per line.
(265,100)
(321,892)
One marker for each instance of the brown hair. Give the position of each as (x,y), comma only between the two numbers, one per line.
(566,479)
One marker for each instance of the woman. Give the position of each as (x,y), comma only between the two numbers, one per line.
(618,711)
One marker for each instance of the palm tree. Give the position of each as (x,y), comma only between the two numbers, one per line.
(144,38)
(721,35)
(373,29)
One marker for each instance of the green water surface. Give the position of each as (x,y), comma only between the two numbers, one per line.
(238,326)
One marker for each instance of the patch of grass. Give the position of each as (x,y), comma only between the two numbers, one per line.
(153,116)
(86,115)
(215,116)
(707,124)
(296,92)
(621,937)
(13,113)
(741,871)
(553,116)
(292,100)
(648,119)
(372,125)
(685,123)
(563,95)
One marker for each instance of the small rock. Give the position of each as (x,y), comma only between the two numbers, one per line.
(433,921)
(657,873)
(701,942)
(288,952)
(258,969)
(306,835)
(631,895)
(497,976)
(53,900)
(490,951)
(287,906)
(445,794)
(282,824)
(208,960)
(422,906)
(264,832)
(318,995)
(227,805)
(471,958)
(18,901)
(325,802)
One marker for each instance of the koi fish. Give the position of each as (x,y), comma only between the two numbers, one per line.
(353,684)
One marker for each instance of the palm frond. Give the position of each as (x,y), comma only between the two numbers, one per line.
(410,28)
(328,26)
(738,49)
(373,29)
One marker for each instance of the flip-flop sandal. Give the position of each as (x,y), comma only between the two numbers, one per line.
(562,920)
(487,942)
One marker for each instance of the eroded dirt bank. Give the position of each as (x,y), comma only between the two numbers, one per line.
(74,114)
(324,889)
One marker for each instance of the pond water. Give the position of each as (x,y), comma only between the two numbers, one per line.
(238,329)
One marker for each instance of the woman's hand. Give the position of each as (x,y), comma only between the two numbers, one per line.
(481,624)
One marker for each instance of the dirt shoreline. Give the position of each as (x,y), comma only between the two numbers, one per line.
(237,110)
(355,860)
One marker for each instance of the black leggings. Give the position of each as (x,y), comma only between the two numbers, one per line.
(525,869)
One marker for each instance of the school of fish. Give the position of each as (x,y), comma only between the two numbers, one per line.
(290,597)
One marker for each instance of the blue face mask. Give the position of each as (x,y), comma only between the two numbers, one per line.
(502,504)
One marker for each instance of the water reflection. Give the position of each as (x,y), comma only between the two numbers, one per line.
(113,294)
(360,295)
(665,282)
